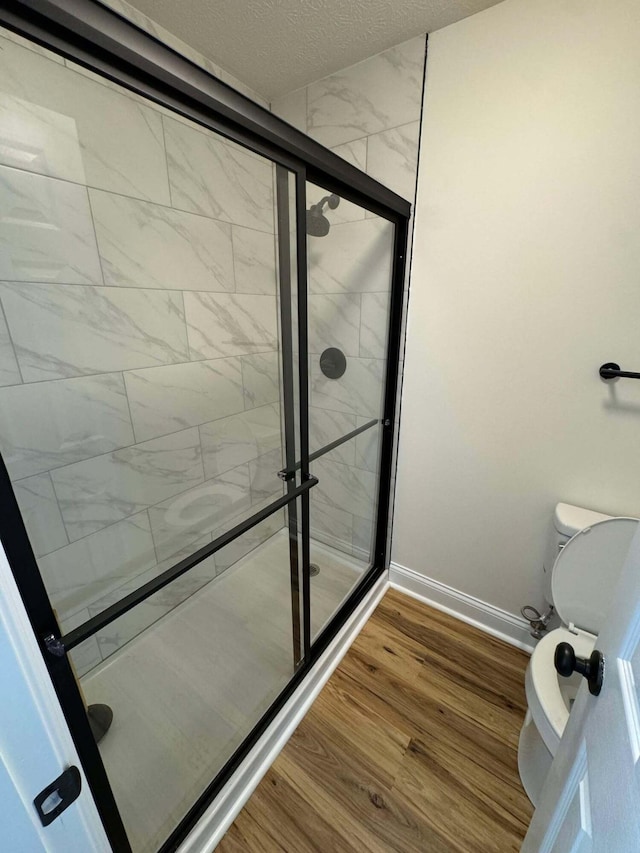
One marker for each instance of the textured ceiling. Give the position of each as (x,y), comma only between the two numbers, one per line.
(276,46)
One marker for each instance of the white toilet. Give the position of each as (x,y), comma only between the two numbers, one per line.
(584,557)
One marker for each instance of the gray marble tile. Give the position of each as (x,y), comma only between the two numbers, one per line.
(87,655)
(228,442)
(61,331)
(363,530)
(255,261)
(329,524)
(261,377)
(41,514)
(367,450)
(381,92)
(325,427)
(209,177)
(178,522)
(354,257)
(334,321)
(345,488)
(358,390)
(374,325)
(170,398)
(46,233)
(263,471)
(9,371)
(147,245)
(393,158)
(292,107)
(230,324)
(74,128)
(100,491)
(50,424)
(240,547)
(78,574)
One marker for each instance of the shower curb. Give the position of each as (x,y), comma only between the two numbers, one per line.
(474,611)
(209,831)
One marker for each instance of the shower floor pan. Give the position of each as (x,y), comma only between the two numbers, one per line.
(190,688)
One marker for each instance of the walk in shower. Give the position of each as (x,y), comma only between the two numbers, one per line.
(198,354)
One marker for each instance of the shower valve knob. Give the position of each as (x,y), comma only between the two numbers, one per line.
(592,669)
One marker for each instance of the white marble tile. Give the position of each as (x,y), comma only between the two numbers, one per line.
(292,107)
(358,390)
(49,424)
(30,45)
(147,245)
(228,442)
(46,233)
(329,524)
(61,331)
(374,325)
(325,427)
(87,655)
(78,574)
(354,152)
(334,321)
(354,257)
(240,547)
(100,491)
(363,530)
(230,324)
(179,521)
(368,446)
(263,471)
(261,377)
(176,396)
(41,514)
(209,177)
(9,371)
(381,92)
(255,261)
(393,158)
(345,488)
(120,139)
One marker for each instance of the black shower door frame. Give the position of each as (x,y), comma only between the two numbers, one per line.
(99,39)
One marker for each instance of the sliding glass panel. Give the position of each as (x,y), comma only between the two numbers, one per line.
(187,692)
(350,254)
(143,415)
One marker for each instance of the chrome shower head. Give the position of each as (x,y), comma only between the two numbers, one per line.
(317,223)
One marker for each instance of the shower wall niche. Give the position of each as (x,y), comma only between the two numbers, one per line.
(139,407)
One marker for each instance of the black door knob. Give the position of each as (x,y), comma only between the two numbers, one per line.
(566,663)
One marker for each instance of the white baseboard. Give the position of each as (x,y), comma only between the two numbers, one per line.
(500,623)
(207,834)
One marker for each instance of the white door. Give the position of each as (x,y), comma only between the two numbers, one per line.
(35,744)
(591,800)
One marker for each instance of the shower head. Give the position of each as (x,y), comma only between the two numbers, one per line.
(317,223)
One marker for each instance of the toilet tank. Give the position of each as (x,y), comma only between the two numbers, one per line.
(566,522)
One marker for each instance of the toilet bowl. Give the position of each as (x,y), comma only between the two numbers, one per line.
(583,578)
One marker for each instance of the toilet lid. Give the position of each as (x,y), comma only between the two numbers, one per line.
(587,569)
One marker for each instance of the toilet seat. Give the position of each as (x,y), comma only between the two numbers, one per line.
(584,578)
(544,695)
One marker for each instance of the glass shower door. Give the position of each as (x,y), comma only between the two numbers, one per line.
(143,419)
(350,253)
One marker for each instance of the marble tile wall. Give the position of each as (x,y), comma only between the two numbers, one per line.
(139,372)
(369,114)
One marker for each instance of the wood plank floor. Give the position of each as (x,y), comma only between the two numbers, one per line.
(411,746)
